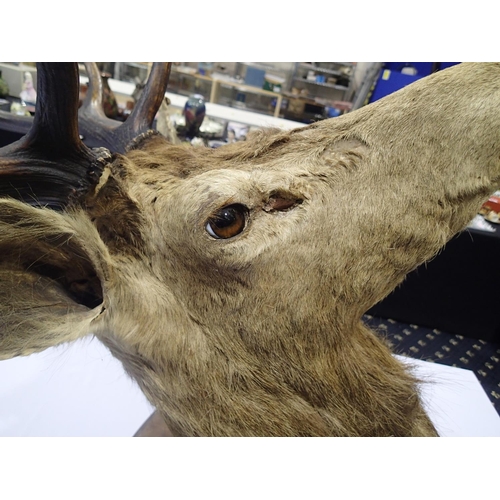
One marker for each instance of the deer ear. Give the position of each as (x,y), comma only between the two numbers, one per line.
(50,290)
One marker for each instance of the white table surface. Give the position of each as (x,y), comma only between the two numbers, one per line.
(79,389)
(455,400)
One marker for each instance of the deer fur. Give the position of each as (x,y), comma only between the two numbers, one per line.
(261,333)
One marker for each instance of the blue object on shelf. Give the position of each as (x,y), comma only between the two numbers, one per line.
(332,112)
(255,77)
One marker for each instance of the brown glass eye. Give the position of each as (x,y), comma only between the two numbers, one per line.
(227,222)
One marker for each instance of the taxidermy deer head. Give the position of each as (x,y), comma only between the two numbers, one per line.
(231,282)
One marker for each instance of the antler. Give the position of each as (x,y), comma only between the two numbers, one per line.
(50,165)
(99,130)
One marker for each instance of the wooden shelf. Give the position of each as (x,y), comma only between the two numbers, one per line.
(216,83)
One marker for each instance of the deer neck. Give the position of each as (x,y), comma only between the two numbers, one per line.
(238,389)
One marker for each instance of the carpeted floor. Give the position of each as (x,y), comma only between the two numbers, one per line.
(482,357)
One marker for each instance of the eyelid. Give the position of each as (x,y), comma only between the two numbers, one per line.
(221,206)
(281,204)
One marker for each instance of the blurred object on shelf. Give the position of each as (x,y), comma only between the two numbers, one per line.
(273,83)
(14,76)
(188,70)
(297,101)
(82,92)
(236,132)
(28,94)
(205,68)
(194,124)
(109,104)
(197,142)
(409,70)
(139,87)
(127,110)
(493,202)
(343,105)
(296,106)
(165,124)
(4,87)
(18,108)
(107,67)
(194,114)
(210,128)
(491,208)
(332,112)
(216,144)
(255,77)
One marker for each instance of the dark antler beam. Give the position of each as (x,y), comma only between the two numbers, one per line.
(50,165)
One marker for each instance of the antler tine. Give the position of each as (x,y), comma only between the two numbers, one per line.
(93,98)
(143,114)
(98,130)
(95,127)
(50,165)
(92,104)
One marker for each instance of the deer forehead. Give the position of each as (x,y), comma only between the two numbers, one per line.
(203,193)
(288,199)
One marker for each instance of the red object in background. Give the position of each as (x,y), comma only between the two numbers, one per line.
(493,203)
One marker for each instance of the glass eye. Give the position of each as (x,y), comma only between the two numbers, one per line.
(227,222)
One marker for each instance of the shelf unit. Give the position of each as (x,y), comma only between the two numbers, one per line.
(336,70)
(211,88)
(313,99)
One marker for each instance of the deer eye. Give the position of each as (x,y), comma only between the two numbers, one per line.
(227,222)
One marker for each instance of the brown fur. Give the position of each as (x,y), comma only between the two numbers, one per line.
(261,334)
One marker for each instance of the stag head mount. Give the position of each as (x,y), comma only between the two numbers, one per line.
(231,282)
